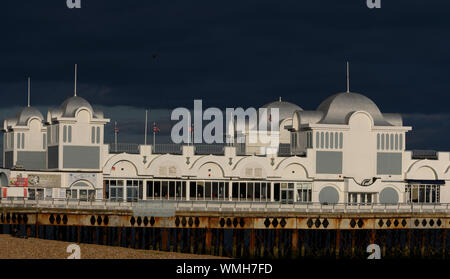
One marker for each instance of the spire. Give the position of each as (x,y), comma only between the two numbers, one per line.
(28,91)
(348,78)
(280,98)
(75,87)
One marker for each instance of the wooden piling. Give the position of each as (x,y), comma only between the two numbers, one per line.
(338,243)
(294,244)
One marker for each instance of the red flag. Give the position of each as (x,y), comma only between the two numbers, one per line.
(155,129)
(192,127)
(116,128)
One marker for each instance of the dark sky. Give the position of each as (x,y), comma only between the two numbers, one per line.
(134,55)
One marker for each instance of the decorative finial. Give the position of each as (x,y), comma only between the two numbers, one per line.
(348,78)
(75,87)
(28,91)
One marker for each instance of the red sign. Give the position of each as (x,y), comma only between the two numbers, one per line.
(19,181)
(5,191)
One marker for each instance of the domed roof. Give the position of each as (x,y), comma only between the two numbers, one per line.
(337,108)
(71,105)
(286,109)
(27,113)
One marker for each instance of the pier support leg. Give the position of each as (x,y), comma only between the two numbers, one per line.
(252,243)
(444,243)
(294,244)
(78,234)
(338,243)
(353,242)
(208,241)
(221,242)
(178,232)
(165,235)
(234,243)
(276,244)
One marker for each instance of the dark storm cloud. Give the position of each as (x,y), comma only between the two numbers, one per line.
(164,54)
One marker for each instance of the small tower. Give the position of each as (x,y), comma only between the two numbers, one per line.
(24,139)
(75,135)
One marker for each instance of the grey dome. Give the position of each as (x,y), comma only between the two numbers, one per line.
(26,114)
(338,107)
(71,105)
(286,109)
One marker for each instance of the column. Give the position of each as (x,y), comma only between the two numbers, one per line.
(188,189)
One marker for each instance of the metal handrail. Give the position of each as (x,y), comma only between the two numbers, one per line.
(225,205)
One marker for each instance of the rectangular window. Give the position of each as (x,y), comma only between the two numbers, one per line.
(98,134)
(200,190)
(157,189)
(44,141)
(400,141)
(235,191)
(215,190)
(70,133)
(93,135)
(172,189)
(321,140)
(149,189)
(242,191)
(23,140)
(192,189)
(64,133)
(276,191)
(18,140)
(378,141)
(164,190)
(208,190)
(317,139)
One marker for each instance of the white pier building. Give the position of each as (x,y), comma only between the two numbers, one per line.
(344,151)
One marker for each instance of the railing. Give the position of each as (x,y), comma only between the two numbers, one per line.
(132,148)
(218,206)
(209,149)
(424,154)
(168,148)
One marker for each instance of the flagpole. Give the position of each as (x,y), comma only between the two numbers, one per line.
(146,124)
(154,125)
(115,137)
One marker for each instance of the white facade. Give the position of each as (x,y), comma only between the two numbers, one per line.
(345,151)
